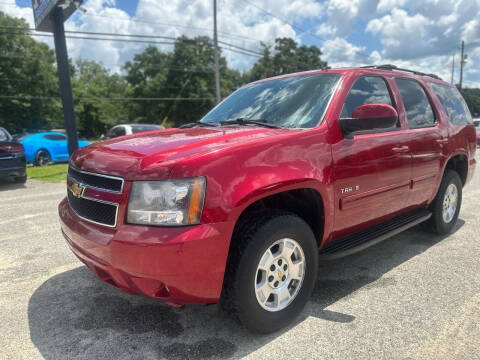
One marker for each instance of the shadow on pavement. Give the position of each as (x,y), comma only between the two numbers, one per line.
(9,184)
(74,315)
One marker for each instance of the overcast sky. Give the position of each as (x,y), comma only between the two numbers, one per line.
(422,35)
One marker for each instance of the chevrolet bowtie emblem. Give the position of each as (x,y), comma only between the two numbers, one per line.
(77,190)
(279,273)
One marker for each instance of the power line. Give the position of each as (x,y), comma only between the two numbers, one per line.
(225,34)
(231,47)
(16,97)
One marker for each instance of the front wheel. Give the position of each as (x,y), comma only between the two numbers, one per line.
(272,271)
(446,205)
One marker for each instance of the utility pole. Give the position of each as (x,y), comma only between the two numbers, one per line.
(462,63)
(215,44)
(64,79)
(453,68)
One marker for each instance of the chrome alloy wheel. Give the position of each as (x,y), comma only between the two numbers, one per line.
(450,202)
(279,275)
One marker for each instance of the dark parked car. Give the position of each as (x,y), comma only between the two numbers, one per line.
(129,129)
(12,158)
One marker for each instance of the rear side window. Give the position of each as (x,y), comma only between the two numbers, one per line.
(55,137)
(417,106)
(366,90)
(453,104)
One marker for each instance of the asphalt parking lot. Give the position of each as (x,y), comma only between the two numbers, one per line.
(415,296)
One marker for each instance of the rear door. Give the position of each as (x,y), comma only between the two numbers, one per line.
(372,170)
(427,138)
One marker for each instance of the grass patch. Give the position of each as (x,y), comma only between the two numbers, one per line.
(50,173)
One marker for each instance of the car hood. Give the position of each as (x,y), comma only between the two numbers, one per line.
(152,155)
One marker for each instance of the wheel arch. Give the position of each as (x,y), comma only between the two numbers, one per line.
(459,163)
(302,198)
(41,149)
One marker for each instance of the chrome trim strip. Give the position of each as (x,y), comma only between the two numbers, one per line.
(100,175)
(99,201)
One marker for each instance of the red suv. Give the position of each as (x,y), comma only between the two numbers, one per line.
(240,206)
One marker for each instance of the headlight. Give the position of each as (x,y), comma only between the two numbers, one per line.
(169,202)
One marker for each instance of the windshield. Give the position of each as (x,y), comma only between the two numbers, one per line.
(292,102)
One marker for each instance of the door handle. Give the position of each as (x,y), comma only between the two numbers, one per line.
(401,149)
(442,141)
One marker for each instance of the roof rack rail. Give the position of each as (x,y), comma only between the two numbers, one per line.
(393,67)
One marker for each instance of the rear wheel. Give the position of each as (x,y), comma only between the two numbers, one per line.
(21,179)
(446,205)
(42,158)
(272,271)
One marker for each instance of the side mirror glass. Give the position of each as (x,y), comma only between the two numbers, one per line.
(369,117)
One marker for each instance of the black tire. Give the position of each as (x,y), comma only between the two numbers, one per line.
(250,242)
(436,223)
(21,179)
(42,158)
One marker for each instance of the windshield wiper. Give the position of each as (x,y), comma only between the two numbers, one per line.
(243,121)
(194,124)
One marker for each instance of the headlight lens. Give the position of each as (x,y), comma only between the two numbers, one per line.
(169,202)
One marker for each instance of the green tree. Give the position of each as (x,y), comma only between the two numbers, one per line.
(185,73)
(147,74)
(287,58)
(472,98)
(95,93)
(28,81)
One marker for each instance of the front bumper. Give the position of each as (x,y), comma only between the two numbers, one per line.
(178,265)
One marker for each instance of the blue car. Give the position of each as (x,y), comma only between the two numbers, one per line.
(46,147)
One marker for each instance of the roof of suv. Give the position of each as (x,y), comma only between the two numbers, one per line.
(372,69)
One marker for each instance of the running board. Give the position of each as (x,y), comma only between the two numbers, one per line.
(363,239)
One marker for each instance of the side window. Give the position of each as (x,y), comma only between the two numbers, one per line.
(366,90)
(111,133)
(120,131)
(453,104)
(417,106)
(55,137)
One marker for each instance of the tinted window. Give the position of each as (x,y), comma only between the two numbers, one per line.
(453,104)
(142,128)
(119,131)
(294,102)
(417,106)
(366,90)
(3,135)
(116,131)
(55,137)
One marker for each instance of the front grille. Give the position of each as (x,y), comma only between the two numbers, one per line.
(99,181)
(99,212)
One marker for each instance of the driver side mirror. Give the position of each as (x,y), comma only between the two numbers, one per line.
(369,117)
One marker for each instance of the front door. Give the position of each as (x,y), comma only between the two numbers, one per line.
(373,169)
